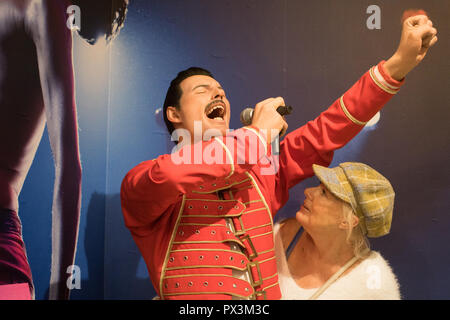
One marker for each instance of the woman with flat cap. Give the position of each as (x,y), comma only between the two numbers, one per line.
(324,253)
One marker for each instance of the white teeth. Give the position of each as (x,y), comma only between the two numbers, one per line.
(214,108)
(218,118)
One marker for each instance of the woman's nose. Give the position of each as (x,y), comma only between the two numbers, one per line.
(308,193)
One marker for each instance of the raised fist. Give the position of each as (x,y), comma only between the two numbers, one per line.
(418,35)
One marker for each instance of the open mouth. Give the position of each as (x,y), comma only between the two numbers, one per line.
(215,110)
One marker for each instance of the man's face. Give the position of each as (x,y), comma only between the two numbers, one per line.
(203,100)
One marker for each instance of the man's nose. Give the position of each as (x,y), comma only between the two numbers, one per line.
(218,94)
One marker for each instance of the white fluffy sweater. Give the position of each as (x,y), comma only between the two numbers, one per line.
(372,279)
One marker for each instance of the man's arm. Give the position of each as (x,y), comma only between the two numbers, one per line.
(316,141)
(53,40)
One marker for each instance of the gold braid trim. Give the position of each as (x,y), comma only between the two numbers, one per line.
(169,248)
(347,113)
(378,83)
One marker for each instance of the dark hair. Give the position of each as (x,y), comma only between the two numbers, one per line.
(174,92)
(101,18)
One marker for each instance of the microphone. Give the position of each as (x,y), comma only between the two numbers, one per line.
(247,114)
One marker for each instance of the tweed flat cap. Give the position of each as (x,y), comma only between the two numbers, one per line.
(368,192)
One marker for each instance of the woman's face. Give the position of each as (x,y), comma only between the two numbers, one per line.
(321,210)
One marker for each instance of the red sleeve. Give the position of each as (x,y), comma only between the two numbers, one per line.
(150,188)
(315,142)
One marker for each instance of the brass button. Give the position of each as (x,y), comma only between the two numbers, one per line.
(234,285)
(220,284)
(216,257)
(236,207)
(205,206)
(205,283)
(185,258)
(231,258)
(246,289)
(190,207)
(214,184)
(177,285)
(197,231)
(181,232)
(190,283)
(213,232)
(220,207)
(242,261)
(171,259)
(201,187)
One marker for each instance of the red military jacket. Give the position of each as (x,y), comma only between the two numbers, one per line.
(205,229)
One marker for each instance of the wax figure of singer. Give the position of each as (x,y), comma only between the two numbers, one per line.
(37,89)
(205,230)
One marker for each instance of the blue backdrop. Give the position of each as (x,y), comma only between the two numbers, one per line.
(309,53)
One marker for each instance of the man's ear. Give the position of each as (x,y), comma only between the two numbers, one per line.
(354,222)
(173,115)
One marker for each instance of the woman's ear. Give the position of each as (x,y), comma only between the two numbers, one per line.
(173,114)
(353,223)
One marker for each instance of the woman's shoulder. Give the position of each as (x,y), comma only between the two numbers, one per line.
(372,279)
(375,259)
(379,277)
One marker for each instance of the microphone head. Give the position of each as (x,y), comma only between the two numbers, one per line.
(246,116)
(284,110)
